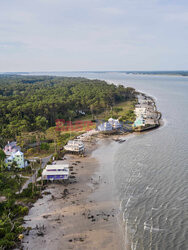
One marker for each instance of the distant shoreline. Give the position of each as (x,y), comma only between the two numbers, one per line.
(56,73)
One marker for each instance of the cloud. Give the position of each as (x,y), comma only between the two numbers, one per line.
(112,11)
(181,17)
(84,34)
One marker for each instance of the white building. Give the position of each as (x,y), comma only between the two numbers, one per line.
(75,146)
(140,112)
(56,172)
(106,126)
(14,154)
(115,123)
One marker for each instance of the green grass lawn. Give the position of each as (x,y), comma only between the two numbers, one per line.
(123,111)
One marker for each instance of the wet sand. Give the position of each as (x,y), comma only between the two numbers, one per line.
(84,216)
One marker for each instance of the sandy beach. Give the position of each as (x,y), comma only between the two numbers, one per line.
(82,215)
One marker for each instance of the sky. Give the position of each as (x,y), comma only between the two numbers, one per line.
(76,35)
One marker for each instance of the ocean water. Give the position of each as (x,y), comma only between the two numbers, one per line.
(151,169)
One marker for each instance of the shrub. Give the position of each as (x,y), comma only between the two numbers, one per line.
(30,151)
(23,210)
(39,173)
(10,236)
(44,146)
(6,244)
(2,232)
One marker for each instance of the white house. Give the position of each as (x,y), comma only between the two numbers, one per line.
(140,112)
(106,126)
(115,123)
(14,154)
(56,172)
(75,146)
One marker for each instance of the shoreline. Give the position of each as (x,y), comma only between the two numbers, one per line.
(85,219)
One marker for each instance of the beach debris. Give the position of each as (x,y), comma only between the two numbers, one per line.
(72,177)
(65,193)
(46,216)
(91,217)
(76,239)
(73,181)
(46,193)
(95,183)
(53,197)
(119,140)
(57,219)
(40,230)
(40,233)
(27,230)
(73,173)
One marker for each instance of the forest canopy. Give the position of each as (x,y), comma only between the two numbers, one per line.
(29,103)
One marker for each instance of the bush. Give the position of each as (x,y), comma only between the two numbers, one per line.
(27,192)
(117,109)
(30,151)
(55,155)
(10,236)
(2,232)
(23,210)
(44,146)
(6,244)
(39,173)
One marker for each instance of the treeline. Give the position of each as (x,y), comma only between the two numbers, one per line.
(29,103)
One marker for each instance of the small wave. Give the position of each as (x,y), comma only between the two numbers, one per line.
(156,229)
(151,228)
(149,188)
(155,208)
(146,228)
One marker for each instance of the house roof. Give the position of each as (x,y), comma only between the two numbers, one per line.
(18,153)
(75,143)
(57,166)
(11,148)
(62,172)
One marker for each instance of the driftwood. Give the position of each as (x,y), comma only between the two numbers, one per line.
(40,230)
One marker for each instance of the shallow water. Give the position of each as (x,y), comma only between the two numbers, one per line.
(150,169)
